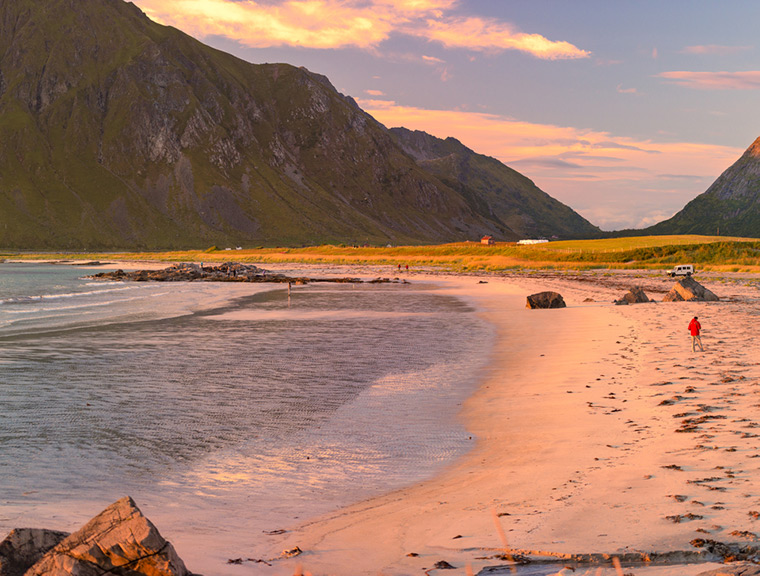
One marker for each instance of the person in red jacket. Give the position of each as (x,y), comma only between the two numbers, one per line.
(694,328)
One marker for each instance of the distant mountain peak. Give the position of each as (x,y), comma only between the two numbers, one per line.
(494,189)
(730,206)
(754,149)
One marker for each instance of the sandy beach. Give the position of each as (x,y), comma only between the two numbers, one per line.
(597,431)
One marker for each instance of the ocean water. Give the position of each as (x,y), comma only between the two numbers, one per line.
(224,408)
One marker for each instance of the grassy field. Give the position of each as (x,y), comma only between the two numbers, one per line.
(716,253)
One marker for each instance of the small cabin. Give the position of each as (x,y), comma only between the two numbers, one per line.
(487,240)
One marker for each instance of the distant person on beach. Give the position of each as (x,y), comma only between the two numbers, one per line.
(694,328)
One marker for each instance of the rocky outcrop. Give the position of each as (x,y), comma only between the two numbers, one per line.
(24,547)
(635,295)
(227,272)
(119,541)
(545,300)
(689,289)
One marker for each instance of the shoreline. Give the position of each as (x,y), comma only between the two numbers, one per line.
(585,454)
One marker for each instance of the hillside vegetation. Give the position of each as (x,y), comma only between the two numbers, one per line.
(117,133)
(648,252)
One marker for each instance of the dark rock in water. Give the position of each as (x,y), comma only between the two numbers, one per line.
(689,289)
(635,295)
(443,565)
(546,300)
(226,272)
(119,541)
(24,547)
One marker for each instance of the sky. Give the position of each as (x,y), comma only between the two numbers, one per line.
(625,110)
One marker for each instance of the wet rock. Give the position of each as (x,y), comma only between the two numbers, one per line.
(545,300)
(689,289)
(443,565)
(728,552)
(738,569)
(635,295)
(24,547)
(119,541)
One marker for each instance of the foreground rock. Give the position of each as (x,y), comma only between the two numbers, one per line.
(545,300)
(119,541)
(635,295)
(24,547)
(689,289)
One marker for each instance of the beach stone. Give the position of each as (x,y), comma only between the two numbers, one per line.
(24,547)
(689,289)
(635,295)
(119,541)
(545,300)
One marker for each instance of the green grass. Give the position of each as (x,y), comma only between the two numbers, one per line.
(651,252)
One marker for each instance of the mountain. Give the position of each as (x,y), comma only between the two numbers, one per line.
(730,206)
(494,190)
(117,132)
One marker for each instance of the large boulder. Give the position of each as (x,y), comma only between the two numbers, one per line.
(119,541)
(635,295)
(545,300)
(689,289)
(24,547)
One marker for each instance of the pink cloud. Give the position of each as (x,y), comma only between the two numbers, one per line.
(327,24)
(374,92)
(490,35)
(715,49)
(749,80)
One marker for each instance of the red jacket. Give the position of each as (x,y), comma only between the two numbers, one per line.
(694,327)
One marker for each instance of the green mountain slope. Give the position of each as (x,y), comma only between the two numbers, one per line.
(494,190)
(117,132)
(729,207)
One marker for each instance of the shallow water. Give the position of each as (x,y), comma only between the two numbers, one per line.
(222,412)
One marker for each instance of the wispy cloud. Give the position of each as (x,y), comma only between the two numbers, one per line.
(614,181)
(748,80)
(489,35)
(374,92)
(622,90)
(715,49)
(326,24)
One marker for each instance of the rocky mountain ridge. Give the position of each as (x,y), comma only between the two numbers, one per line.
(493,189)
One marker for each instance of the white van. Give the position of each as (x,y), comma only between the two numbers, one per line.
(681,270)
